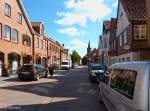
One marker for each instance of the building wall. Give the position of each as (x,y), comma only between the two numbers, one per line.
(8,46)
(122,21)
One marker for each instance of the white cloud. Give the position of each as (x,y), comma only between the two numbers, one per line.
(77,44)
(71,31)
(80,11)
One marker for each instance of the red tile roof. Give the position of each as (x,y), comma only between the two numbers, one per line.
(135,9)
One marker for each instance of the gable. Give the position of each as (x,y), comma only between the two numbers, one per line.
(122,19)
(23,11)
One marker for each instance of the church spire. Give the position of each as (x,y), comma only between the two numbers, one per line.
(89,48)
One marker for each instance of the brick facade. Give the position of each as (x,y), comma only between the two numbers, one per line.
(18,39)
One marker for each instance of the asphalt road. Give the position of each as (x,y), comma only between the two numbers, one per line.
(71,91)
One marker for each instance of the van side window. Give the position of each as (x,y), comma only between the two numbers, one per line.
(123,81)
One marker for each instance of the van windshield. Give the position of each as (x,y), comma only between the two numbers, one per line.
(64,63)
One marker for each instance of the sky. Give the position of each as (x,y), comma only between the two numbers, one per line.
(72,22)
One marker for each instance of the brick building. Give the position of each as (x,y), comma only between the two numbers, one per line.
(113,41)
(22,42)
(104,45)
(133,44)
(16,35)
(40,44)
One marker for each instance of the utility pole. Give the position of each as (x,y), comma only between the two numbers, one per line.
(148,16)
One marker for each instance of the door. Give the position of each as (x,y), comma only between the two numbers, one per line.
(14,67)
(122,90)
(0,68)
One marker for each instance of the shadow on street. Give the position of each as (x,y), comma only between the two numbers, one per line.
(69,92)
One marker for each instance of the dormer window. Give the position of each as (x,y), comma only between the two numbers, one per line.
(7,10)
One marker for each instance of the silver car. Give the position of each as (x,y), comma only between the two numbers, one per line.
(126,87)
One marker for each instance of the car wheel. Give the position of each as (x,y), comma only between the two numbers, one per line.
(21,79)
(100,97)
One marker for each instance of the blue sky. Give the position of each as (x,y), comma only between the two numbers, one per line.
(72,22)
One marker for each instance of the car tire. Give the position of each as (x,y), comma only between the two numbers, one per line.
(91,79)
(20,78)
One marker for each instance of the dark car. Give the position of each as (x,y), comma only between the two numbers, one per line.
(89,66)
(97,71)
(32,72)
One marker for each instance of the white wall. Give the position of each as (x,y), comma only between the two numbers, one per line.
(123,21)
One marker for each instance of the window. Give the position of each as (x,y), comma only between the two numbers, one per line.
(41,44)
(139,32)
(128,59)
(105,44)
(46,44)
(0,30)
(7,10)
(125,37)
(37,42)
(6,32)
(19,17)
(123,81)
(42,32)
(26,40)
(120,40)
(14,37)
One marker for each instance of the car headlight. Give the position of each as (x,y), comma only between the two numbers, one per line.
(93,74)
(101,71)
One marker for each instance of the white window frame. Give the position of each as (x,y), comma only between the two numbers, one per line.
(16,34)
(6,36)
(140,28)
(7,10)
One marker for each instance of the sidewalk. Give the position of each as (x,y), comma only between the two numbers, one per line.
(3,81)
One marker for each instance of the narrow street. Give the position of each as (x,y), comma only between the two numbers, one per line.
(70,91)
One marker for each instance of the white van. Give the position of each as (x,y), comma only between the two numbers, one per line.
(126,87)
(65,65)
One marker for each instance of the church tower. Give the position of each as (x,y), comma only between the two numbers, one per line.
(89,48)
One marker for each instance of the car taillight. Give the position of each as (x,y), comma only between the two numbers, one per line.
(34,72)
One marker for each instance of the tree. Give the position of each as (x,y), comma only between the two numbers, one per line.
(75,57)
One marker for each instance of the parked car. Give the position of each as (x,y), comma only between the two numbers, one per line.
(89,66)
(32,72)
(126,87)
(96,72)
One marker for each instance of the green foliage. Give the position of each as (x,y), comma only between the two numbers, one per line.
(75,57)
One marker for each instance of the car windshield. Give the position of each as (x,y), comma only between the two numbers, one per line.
(64,63)
(27,68)
(97,67)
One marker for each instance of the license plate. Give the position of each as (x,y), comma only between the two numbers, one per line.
(25,73)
